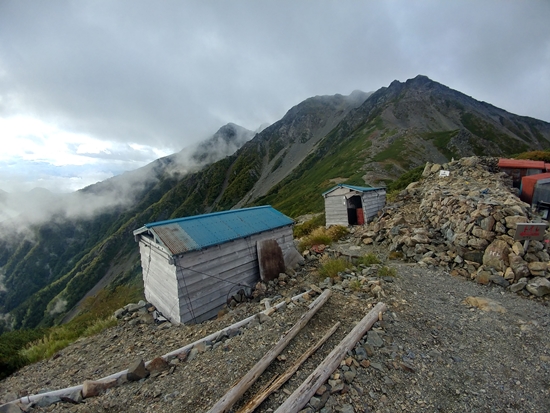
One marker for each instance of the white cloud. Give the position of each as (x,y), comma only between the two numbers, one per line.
(81,82)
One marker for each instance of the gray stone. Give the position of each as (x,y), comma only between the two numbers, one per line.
(349,376)
(369,349)
(539,286)
(481,233)
(478,243)
(374,339)
(120,313)
(517,248)
(75,396)
(487,224)
(519,266)
(537,268)
(137,371)
(512,221)
(377,366)
(520,285)
(192,354)
(474,256)
(337,386)
(499,280)
(361,353)
(346,408)
(543,256)
(315,402)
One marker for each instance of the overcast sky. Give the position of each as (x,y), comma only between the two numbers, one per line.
(89,89)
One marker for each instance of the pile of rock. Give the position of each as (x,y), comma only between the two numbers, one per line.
(464,220)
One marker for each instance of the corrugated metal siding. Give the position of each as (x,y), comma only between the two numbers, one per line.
(201,231)
(207,278)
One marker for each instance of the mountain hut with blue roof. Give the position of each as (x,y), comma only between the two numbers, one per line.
(193,265)
(352,205)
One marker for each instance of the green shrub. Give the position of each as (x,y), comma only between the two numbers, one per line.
(324,236)
(337,232)
(387,272)
(48,345)
(332,267)
(99,326)
(404,180)
(317,237)
(368,260)
(307,227)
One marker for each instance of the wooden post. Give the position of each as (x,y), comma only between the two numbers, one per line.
(228,400)
(282,379)
(307,389)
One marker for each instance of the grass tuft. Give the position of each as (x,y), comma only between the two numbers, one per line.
(387,272)
(332,267)
(368,260)
(301,230)
(355,285)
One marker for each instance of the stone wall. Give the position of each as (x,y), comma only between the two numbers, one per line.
(465,222)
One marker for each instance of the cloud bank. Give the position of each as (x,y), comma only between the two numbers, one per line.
(139,78)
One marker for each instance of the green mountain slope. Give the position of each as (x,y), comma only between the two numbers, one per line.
(399,128)
(358,139)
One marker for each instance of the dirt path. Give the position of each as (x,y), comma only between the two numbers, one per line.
(431,353)
(464,359)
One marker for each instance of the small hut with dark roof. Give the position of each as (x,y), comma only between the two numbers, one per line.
(192,265)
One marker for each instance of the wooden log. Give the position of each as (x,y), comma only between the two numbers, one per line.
(229,399)
(307,389)
(283,378)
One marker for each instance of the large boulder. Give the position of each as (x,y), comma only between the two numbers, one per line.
(496,255)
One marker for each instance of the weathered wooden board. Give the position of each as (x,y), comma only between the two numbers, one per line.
(270,259)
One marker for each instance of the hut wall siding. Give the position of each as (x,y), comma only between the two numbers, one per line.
(235,261)
(159,280)
(373,201)
(336,212)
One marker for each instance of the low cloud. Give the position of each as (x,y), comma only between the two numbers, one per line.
(22,209)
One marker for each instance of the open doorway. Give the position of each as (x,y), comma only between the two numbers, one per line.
(355,210)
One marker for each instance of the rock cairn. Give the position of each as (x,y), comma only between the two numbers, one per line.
(466,223)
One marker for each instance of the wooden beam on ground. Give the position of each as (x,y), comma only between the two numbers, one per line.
(283,378)
(228,400)
(297,400)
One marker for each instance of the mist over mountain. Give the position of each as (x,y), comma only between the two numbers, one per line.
(363,138)
(119,192)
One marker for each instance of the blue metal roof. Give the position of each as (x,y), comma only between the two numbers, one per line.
(201,231)
(353,187)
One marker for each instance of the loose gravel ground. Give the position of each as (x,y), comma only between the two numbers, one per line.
(431,353)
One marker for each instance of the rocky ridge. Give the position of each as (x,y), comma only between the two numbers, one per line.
(465,223)
(445,343)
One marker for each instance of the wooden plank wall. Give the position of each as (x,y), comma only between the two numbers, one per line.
(207,278)
(336,212)
(373,201)
(159,279)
